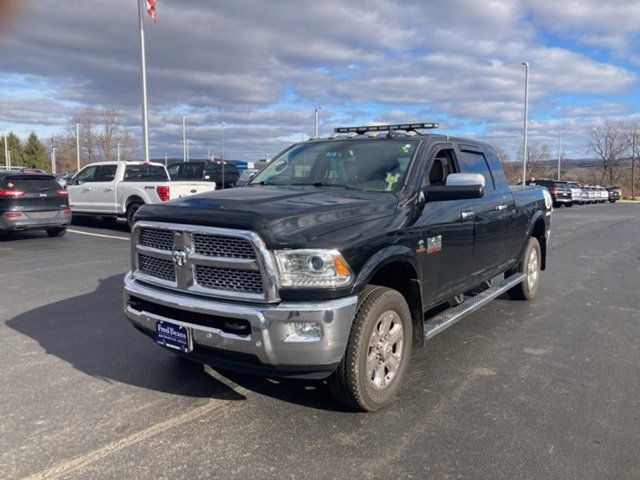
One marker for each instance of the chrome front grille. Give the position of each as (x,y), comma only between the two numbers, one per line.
(218,246)
(157,267)
(216,262)
(228,279)
(156,238)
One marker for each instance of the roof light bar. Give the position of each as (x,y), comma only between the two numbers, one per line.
(378,128)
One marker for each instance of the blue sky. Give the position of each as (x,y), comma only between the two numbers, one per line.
(258,68)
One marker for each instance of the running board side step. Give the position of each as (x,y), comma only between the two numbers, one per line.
(444,320)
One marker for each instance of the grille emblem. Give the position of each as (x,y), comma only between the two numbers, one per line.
(179,257)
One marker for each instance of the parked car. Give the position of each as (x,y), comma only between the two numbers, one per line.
(33,201)
(560,191)
(576,192)
(224,173)
(584,196)
(246,175)
(603,194)
(614,193)
(118,189)
(325,264)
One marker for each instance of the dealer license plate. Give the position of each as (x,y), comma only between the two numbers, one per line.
(174,336)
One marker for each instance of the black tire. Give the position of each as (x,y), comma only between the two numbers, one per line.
(612,201)
(350,383)
(556,205)
(569,204)
(131,211)
(527,289)
(56,232)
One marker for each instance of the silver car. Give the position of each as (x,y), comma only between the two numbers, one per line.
(576,192)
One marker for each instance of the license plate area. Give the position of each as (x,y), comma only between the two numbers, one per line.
(172,335)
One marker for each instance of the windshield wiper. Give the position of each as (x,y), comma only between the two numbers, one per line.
(325,184)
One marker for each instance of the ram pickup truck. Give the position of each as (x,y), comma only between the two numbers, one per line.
(118,189)
(338,258)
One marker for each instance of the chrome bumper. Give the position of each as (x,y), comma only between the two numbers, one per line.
(270,341)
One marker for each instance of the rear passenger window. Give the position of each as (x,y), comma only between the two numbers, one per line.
(145,173)
(474,162)
(107,173)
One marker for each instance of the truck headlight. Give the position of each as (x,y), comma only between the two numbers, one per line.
(307,268)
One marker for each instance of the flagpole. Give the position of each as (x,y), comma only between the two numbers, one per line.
(143,67)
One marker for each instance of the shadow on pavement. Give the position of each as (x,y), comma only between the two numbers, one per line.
(91,333)
(90,221)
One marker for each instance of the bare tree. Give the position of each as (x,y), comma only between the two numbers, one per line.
(538,161)
(609,143)
(512,170)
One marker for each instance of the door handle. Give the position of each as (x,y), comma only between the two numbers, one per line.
(466,214)
(502,207)
(108,189)
(86,189)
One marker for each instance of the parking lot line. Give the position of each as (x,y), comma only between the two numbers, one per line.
(70,466)
(81,232)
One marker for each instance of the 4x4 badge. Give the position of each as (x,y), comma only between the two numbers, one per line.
(434,245)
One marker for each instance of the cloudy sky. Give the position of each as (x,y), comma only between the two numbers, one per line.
(258,68)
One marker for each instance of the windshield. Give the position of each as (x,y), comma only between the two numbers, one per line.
(379,165)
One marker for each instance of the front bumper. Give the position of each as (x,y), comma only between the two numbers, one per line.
(268,349)
(35,220)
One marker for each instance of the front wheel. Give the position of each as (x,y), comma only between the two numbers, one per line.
(370,373)
(529,265)
(612,201)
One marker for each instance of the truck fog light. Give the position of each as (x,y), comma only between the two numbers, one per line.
(304,332)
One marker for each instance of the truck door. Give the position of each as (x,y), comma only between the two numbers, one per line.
(80,189)
(446,232)
(103,191)
(492,214)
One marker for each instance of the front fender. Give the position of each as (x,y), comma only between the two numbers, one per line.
(392,253)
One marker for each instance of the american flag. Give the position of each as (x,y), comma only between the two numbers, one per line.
(151,9)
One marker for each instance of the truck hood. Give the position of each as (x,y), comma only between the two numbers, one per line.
(283,216)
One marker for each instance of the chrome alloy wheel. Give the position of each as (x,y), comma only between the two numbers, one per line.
(532,269)
(385,350)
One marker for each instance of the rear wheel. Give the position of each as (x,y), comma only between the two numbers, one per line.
(569,204)
(370,373)
(612,201)
(529,265)
(131,211)
(56,232)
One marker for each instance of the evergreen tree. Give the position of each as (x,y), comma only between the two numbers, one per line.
(15,150)
(35,154)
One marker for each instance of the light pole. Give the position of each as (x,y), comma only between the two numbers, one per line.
(143,79)
(53,160)
(559,150)
(7,162)
(222,143)
(78,145)
(187,150)
(526,113)
(165,159)
(118,151)
(184,138)
(315,121)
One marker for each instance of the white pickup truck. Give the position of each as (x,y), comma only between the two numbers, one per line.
(117,189)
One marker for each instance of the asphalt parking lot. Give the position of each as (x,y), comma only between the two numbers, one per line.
(546,389)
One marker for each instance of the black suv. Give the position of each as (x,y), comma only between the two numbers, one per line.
(614,193)
(560,191)
(33,201)
(223,172)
